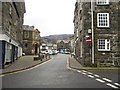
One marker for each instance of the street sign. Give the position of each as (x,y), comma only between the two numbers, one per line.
(88,40)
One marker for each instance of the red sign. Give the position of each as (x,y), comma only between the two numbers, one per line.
(88,40)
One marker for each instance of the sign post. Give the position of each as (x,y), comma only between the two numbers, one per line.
(88,41)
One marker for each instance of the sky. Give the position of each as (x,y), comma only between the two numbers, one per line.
(50,16)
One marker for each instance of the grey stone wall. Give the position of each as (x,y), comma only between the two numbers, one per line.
(12,19)
(107,33)
(30,41)
(112,33)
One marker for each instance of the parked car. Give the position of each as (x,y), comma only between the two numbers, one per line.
(50,52)
(67,52)
(55,52)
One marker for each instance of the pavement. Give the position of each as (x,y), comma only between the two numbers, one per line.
(22,63)
(73,63)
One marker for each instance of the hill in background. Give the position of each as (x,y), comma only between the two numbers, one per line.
(54,38)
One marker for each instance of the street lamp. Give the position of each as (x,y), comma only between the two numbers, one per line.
(92,33)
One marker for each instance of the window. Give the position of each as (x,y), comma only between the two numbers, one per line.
(102,2)
(103,20)
(103,45)
(26,35)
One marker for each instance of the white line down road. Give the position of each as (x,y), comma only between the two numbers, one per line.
(78,71)
(111,85)
(108,80)
(96,75)
(117,84)
(90,76)
(90,73)
(100,80)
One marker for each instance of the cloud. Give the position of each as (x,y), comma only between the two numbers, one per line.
(50,16)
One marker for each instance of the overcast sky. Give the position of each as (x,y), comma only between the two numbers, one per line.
(50,16)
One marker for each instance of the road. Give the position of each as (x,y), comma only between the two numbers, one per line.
(55,74)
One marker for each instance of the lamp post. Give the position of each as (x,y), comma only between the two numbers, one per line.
(92,32)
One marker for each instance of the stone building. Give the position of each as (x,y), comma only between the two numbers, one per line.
(63,44)
(31,40)
(71,44)
(11,16)
(96,32)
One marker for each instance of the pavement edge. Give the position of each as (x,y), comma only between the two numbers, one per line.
(18,70)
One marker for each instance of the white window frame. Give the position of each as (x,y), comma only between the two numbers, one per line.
(103,17)
(102,2)
(106,45)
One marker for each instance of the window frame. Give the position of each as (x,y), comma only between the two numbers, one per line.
(103,18)
(105,2)
(106,45)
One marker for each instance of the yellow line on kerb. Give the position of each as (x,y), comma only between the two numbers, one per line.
(25,69)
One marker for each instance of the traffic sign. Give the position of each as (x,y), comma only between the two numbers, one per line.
(88,40)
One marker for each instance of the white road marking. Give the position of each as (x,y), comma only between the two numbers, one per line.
(84,73)
(90,73)
(78,71)
(68,65)
(72,69)
(96,75)
(68,68)
(117,84)
(100,80)
(90,76)
(107,79)
(111,85)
